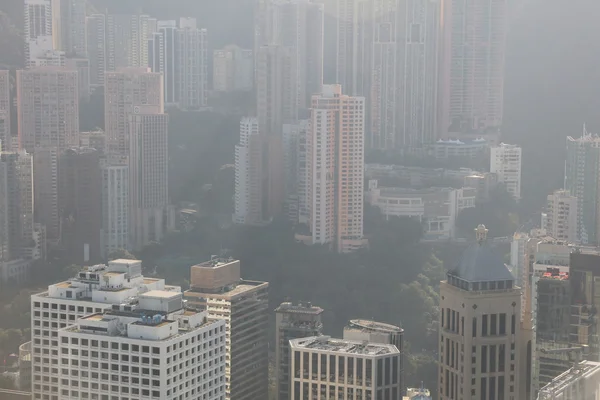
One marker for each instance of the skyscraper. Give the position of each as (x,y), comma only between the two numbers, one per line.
(5,127)
(48,108)
(233,69)
(505,162)
(418,63)
(474,37)
(561,214)
(248,175)
(125,89)
(16,203)
(115,204)
(335,158)
(45,183)
(80,200)
(96,48)
(82,66)
(127,40)
(582,172)
(69,26)
(216,286)
(38,33)
(479,314)
(292,322)
(149,213)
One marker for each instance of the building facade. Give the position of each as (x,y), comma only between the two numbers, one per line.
(561,214)
(45,183)
(93,290)
(69,28)
(115,205)
(5,114)
(233,69)
(480,316)
(323,367)
(127,40)
(149,215)
(335,160)
(505,161)
(582,169)
(216,286)
(47,108)
(96,48)
(248,201)
(125,89)
(292,322)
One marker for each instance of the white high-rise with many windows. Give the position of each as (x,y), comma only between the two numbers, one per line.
(40,48)
(505,161)
(248,174)
(335,159)
(155,349)
(92,290)
(127,40)
(96,48)
(562,217)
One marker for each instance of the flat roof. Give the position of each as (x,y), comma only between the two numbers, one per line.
(241,287)
(113,273)
(326,343)
(161,294)
(374,326)
(94,317)
(299,308)
(125,261)
(215,262)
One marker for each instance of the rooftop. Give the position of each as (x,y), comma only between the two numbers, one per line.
(326,343)
(369,325)
(480,263)
(301,308)
(161,294)
(215,262)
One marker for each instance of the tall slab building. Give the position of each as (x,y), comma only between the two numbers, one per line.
(47,108)
(5,127)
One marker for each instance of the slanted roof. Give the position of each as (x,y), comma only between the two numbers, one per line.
(480,263)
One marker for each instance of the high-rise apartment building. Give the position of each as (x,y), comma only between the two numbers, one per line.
(45,183)
(233,69)
(292,322)
(127,40)
(505,161)
(561,212)
(93,290)
(472,70)
(38,34)
(47,108)
(582,174)
(294,163)
(335,158)
(158,349)
(353,38)
(80,201)
(480,340)
(5,100)
(82,66)
(69,26)
(298,27)
(248,175)
(216,286)
(16,203)
(125,89)
(96,48)
(115,204)
(418,62)
(323,367)
(149,213)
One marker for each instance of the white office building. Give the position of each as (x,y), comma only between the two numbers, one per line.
(323,367)
(505,161)
(561,216)
(153,348)
(92,290)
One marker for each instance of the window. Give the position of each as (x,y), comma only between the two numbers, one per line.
(484,325)
(502,324)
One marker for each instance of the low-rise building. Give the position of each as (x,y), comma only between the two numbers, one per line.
(460,148)
(435,208)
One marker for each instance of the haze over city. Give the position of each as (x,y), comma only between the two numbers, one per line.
(299,199)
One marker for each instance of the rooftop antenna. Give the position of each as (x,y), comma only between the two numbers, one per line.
(584,130)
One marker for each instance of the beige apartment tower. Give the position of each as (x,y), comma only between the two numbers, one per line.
(216,286)
(124,89)
(47,107)
(335,159)
(480,335)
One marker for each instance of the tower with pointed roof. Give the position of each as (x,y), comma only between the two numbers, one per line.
(479,330)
